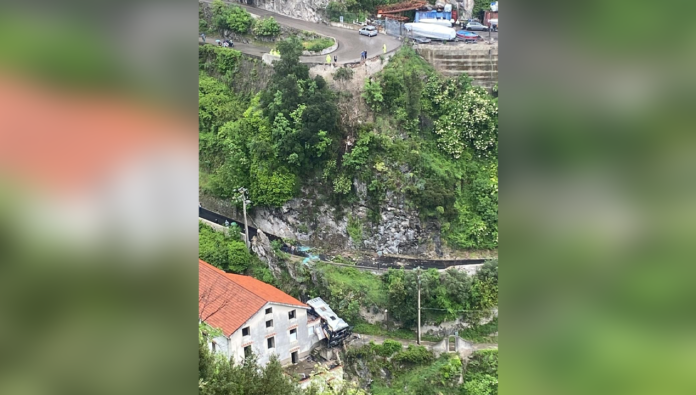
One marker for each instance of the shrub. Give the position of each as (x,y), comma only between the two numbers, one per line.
(266,27)
(318,44)
(238,256)
(355,230)
(239,20)
(450,372)
(343,73)
(373,95)
(414,355)
(342,184)
(227,60)
(388,348)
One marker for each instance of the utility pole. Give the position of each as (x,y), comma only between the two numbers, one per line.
(245,201)
(419,308)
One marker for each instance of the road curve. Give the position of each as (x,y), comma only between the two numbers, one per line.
(350,43)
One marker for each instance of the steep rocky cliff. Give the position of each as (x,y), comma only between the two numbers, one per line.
(308,220)
(308,10)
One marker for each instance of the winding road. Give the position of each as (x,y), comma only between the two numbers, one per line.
(350,43)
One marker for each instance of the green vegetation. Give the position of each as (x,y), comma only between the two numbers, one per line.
(434,141)
(220,376)
(236,19)
(266,27)
(355,230)
(351,10)
(444,296)
(318,44)
(413,370)
(416,371)
(393,333)
(481,377)
(227,251)
(231,17)
(280,138)
(343,74)
(345,289)
(481,333)
(451,149)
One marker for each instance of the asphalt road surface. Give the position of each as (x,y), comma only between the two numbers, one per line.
(350,43)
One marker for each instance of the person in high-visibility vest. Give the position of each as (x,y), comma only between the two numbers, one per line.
(384,48)
(328,59)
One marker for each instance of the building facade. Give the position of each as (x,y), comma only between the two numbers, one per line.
(254,317)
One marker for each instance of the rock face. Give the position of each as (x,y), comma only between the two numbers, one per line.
(308,10)
(261,246)
(466,7)
(399,231)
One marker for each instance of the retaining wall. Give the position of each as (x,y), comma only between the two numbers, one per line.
(478,61)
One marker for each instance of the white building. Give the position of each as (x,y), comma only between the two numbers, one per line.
(254,317)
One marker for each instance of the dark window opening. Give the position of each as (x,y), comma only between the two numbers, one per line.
(269,310)
(269,323)
(247,351)
(245,331)
(271,342)
(291,314)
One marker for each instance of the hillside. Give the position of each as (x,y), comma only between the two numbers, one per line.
(405,165)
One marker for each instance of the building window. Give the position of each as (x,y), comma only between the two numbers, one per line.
(294,357)
(310,331)
(291,314)
(293,335)
(271,342)
(269,310)
(269,323)
(245,331)
(214,344)
(247,351)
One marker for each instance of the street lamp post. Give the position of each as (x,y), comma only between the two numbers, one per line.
(418,271)
(243,197)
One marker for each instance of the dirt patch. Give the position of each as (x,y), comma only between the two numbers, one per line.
(360,73)
(352,107)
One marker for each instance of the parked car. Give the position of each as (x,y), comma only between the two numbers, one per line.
(467,36)
(369,31)
(476,26)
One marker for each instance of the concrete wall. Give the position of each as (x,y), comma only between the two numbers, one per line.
(282,324)
(479,61)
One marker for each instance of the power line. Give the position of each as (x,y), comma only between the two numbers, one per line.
(430,308)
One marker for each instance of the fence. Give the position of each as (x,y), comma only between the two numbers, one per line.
(394,28)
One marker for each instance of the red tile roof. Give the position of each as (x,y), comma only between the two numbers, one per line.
(265,291)
(227,301)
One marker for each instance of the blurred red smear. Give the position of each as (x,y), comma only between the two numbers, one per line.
(66,140)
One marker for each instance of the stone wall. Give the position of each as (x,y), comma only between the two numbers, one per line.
(478,61)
